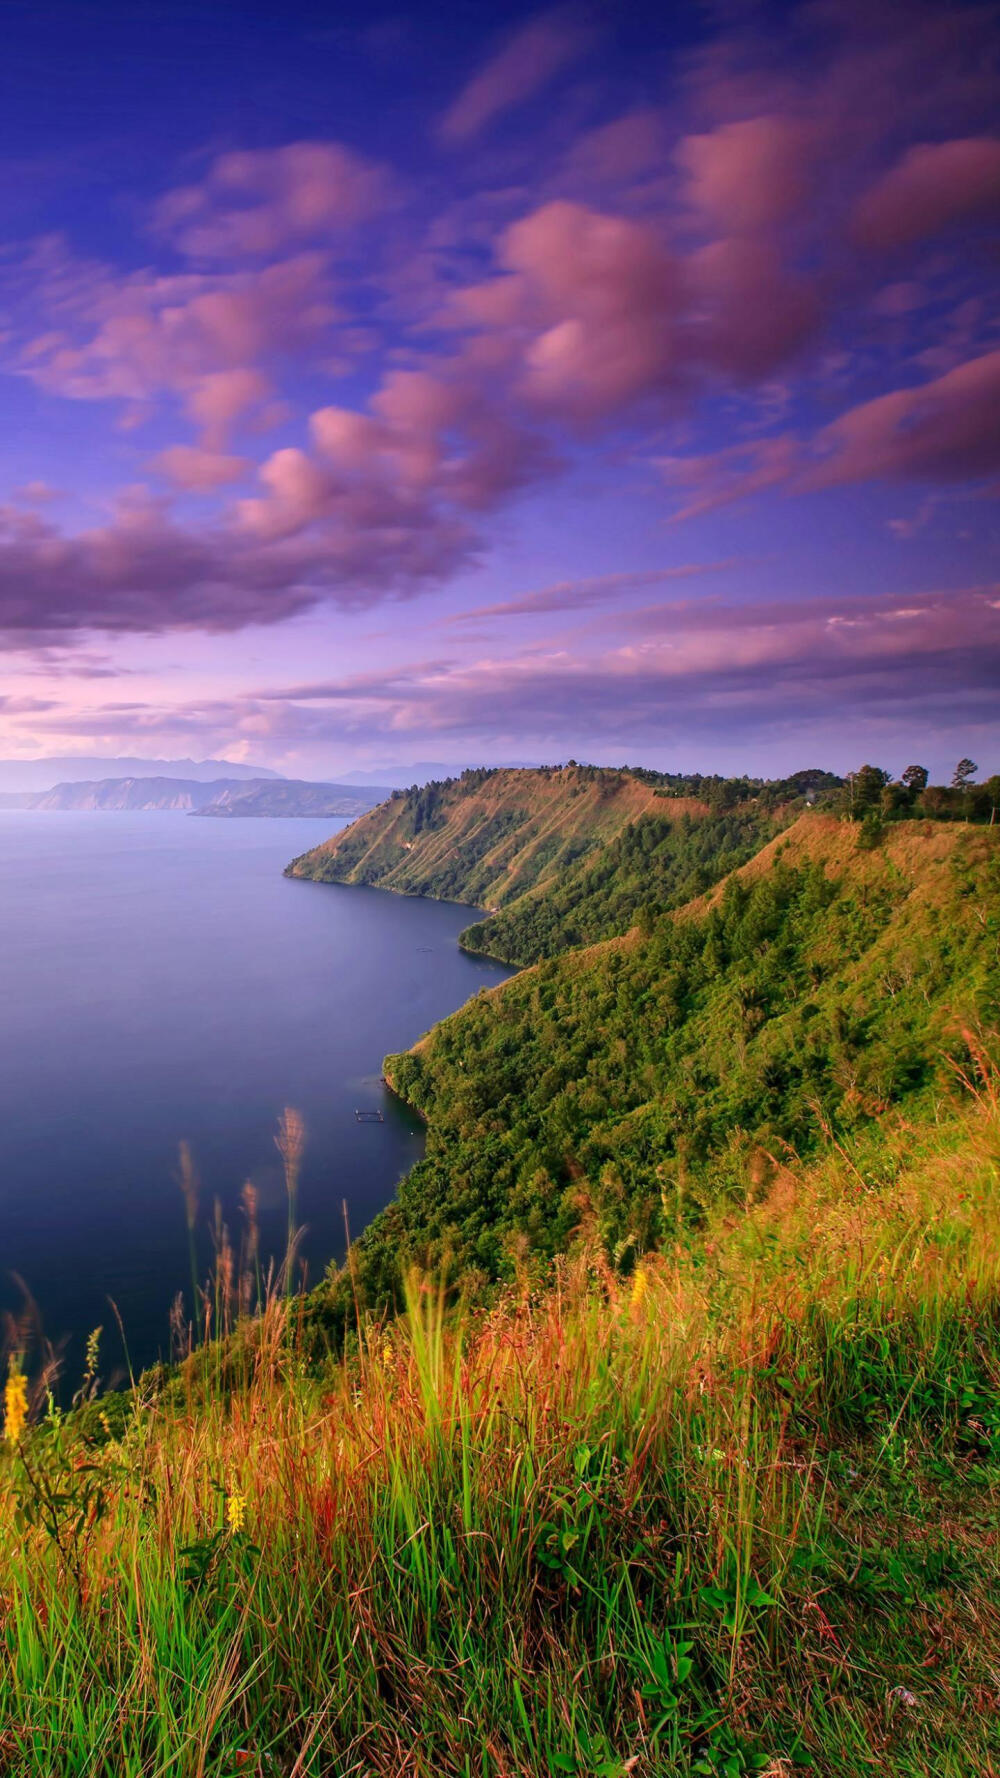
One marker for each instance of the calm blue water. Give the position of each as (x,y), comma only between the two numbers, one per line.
(160,979)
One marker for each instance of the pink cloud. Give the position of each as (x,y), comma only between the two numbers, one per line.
(617,153)
(932,186)
(720,478)
(432,447)
(602,295)
(844,84)
(593,313)
(138,572)
(753,313)
(532,57)
(945,430)
(256,204)
(36,493)
(751,173)
(223,397)
(200,471)
(573,595)
(300,543)
(136,337)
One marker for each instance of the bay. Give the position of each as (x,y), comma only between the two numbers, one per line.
(162,981)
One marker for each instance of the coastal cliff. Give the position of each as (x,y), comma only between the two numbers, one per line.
(558,856)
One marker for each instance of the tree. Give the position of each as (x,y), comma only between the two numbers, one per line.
(991,797)
(965,770)
(864,790)
(870,833)
(938,801)
(915,778)
(896,799)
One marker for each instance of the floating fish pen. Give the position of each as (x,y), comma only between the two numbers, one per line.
(369,1117)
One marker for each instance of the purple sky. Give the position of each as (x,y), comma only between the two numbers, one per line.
(509,385)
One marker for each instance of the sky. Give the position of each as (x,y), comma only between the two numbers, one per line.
(487,383)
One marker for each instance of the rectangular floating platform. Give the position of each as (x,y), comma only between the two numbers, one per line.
(369,1117)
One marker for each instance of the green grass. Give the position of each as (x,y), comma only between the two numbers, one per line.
(733,1512)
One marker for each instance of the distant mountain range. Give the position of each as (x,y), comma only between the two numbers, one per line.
(224,797)
(19,777)
(74,768)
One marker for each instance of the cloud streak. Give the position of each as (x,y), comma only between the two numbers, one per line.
(523,67)
(683,671)
(574,595)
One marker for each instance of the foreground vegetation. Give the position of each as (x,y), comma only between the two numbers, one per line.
(731,1511)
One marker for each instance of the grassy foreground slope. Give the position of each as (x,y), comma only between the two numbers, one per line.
(733,1514)
(631,1083)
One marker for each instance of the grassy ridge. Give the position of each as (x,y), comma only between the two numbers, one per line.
(488,836)
(814,992)
(732,1513)
(560,855)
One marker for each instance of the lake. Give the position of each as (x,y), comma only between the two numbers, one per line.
(160,981)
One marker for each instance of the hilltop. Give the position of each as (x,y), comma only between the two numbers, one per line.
(486,837)
(559,855)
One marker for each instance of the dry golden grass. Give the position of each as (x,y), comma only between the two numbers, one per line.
(731,1513)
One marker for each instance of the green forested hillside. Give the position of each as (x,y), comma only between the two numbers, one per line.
(656,863)
(628,1083)
(488,836)
(560,855)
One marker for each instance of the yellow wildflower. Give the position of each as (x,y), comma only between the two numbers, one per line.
(640,1284)
(15,1403)
(236,1512)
